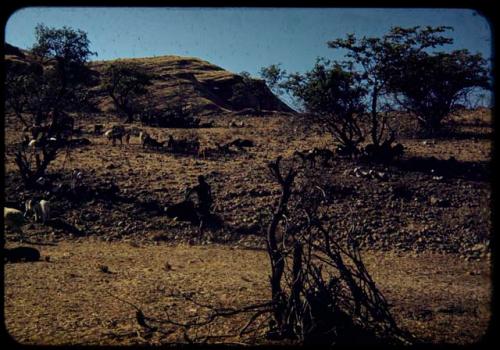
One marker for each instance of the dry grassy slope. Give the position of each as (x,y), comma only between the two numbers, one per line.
(203,84)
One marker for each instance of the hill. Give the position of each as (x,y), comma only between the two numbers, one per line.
(205,86)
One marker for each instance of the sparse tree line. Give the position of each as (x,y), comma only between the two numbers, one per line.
(400,71)
(350,99)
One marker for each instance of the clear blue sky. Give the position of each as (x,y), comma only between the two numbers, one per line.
(239,39)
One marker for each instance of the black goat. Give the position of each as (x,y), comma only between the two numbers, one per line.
(150,142)
(184,211)
(21,254)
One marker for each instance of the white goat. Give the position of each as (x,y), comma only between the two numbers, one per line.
(42,211)
(108,134)
(14,219)
(142,136)
(29,207)
(236,124)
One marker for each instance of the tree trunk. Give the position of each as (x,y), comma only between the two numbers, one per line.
(276,256)
(374,117)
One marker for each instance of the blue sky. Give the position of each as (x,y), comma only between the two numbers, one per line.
(240,39)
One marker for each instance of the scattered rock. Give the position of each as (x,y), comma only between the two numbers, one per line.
(439,202)
(104,268)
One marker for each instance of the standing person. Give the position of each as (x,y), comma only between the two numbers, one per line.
(205,200)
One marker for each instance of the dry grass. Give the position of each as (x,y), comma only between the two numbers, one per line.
(66,300)
(443,298)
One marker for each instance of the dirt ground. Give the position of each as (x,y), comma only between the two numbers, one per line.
(426,233)
(67,299)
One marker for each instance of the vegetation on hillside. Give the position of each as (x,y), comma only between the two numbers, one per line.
(398,71)
(44,93)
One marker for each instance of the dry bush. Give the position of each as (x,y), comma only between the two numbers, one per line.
(321,291)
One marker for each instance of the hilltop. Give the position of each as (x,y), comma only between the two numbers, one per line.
(204,85)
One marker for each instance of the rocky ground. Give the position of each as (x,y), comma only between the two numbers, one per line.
(436,198)
(432,207)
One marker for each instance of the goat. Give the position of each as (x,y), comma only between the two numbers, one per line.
(78,142)
(14,219)
(151,143)
(324,153)
(29,207)
(183,211)
(135,131)
(118,129)
(21,254)
(236,124)
(241,143)
(223,149)
(36,130)
(306,156)
(143,135)
(42,211)
(76,179)
(127,137)
(183,145)
(114,135)
(311,155)
(347,150)
(98,129)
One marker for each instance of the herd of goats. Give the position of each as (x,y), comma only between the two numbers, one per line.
(40,210)
(184,146)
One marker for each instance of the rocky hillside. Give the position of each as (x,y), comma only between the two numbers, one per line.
(208,87)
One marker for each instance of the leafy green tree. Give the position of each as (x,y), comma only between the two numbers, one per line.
(431,85)
(126,83)
(332,98)
(273,75)
(44,90)
(400,66)
(372,56)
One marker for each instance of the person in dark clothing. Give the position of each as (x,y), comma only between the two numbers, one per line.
(205,200)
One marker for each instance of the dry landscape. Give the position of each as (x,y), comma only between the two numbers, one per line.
(426,230)
(166,200)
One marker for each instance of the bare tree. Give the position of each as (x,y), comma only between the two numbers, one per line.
(321,291)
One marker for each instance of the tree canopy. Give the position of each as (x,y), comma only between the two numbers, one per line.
(431,86)
(42,91)
(331,96)
(126,83)
(402,65)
